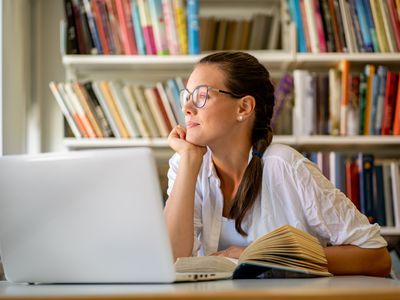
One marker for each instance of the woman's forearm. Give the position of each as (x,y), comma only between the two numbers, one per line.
(353,260)
(179,208)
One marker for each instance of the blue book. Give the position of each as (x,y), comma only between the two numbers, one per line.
(380,103)
(137,28)
(193,26)
(366,165)
(92,27)
(175,93)
(371,25)
(379,196)
(294,7)
(365,33)
(374,101)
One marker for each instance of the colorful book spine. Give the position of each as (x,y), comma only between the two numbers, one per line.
(157,19)
(294,6)
(92,27)
(170,27)
(371,25)
(137,27)
(126,26)
(180,18)
(396,118)
(193,7)
(147,27)
(389,103)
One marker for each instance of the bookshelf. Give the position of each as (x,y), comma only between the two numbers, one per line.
(153,68)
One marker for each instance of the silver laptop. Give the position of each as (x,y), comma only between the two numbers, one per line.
(85,217)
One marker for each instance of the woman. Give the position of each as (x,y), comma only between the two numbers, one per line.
(228,185)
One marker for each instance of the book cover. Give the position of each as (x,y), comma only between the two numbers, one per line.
(170,27)
(388,26)
(147,27)
(395,175)
(283,252)
(72,39)
(66,111)
(123,108)
(344,68)
(353,114)
(387,190)
(158,22)
(335,90)
(114,26)
(389,102)
(380,28)
(139,120)
(380,102)
(395,21)
(74,112)
(352,181)
(371,25)
(180,18)
(79,109)
(93,27)
(379,195)
(103,121)
(125,23)
(193,7)
(365,32)
(370,74)
(105,89)
(107,110)
(137,28)
(145,111)
(154,104)
(294,7)
(88,108)
(366,166)
(396,118)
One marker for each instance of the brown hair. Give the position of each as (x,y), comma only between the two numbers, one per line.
(246,76)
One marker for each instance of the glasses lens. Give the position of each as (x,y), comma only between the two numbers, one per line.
(200,96)
(184,97)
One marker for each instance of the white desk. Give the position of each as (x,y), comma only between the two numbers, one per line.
(341,287)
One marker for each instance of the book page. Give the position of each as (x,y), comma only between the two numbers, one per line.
(206,264)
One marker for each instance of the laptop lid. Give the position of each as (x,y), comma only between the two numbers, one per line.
(87,216)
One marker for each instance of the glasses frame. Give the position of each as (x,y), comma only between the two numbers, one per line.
(209,88)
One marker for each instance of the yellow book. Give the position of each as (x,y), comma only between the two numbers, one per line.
(105,88)
(283,252)
(180,18)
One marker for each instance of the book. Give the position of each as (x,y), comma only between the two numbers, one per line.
(283,252)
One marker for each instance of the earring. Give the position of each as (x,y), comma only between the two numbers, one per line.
(240,118)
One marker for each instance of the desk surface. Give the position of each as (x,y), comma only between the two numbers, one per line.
(339,287)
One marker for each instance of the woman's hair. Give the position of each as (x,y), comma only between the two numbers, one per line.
(244,75)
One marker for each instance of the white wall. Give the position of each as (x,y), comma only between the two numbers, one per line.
(31,121)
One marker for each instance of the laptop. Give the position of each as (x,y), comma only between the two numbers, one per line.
(91,216)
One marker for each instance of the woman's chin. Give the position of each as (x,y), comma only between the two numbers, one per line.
(195,140)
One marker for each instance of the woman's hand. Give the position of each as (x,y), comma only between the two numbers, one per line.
(232,252)
(177,141)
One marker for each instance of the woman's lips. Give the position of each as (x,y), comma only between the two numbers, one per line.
(191,124)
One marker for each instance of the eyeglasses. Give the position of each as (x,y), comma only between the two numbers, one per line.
(200,95)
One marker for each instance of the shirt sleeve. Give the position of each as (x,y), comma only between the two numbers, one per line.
(172,171)
(330,213)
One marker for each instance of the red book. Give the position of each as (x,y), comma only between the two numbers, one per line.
(320,27)
(394,17)
(396,118)
(100,26)
(162,109)
(390,102)
(126,26)
(353,182)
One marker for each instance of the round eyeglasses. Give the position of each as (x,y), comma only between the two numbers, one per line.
(200,95)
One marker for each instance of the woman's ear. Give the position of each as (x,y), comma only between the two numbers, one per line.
(246,107)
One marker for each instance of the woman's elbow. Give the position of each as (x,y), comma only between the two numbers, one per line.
(382,264)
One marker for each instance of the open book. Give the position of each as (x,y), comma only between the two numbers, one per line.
(283,252)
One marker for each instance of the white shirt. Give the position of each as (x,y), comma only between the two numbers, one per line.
(293,192)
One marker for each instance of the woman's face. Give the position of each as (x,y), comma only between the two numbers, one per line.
(217,119)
